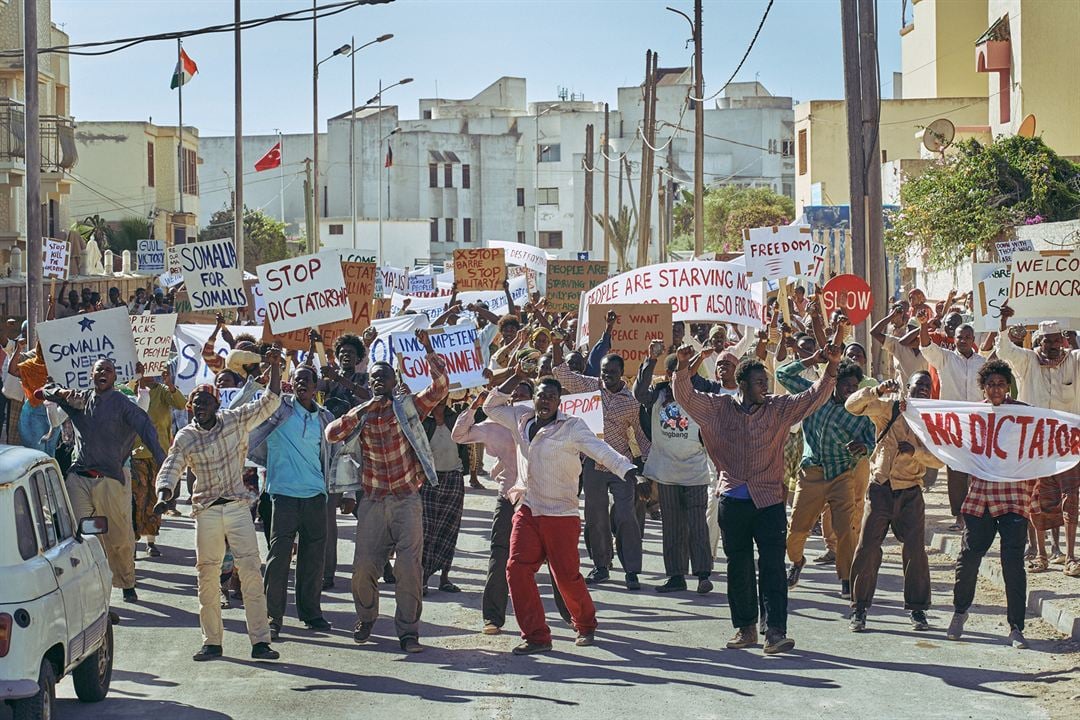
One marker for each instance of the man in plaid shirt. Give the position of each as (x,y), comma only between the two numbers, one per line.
(835,468)
(991,509)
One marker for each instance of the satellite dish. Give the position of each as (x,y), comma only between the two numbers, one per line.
(1027,128)
(938,135)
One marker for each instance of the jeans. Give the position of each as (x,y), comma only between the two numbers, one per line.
(33,426)
(306,518)
(979,532)
(742,526)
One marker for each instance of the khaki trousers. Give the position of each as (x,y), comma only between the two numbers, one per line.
(813,491)
(110,497)
(857,516)
(229,523)
(389,525)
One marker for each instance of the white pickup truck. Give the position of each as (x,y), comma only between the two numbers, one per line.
(54,589)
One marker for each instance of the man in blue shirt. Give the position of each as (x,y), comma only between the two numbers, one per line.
(291,447)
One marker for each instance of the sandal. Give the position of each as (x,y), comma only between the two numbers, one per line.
(449,587)
(1072,568)
(1058,559)
(1038,565)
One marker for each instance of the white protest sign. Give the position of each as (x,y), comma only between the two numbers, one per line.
(213,279)
(1045,286)
(304,292)
(54,259)
(260,303)
(380,350)
(1006,443)
(990,284)
(588,407)
(190,370)
(783,251)
(172,276)
(153,336)
(519,254)
(228,397)
(421,284)
(697,292)
(455,344)
(433,307)
(1006,249)
(72,345)
(391,280)
(150,256)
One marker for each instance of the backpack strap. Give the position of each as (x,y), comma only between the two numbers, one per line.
(888,426)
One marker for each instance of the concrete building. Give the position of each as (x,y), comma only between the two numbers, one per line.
(129,169)
(56,131)
(935,49)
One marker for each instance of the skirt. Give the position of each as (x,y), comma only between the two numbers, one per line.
(443,505)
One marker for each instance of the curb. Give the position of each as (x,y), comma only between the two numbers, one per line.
(1040,603)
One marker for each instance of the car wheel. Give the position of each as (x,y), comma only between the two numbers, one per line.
(93,675)
(39,707)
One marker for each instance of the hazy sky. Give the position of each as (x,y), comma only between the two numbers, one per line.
(453,49)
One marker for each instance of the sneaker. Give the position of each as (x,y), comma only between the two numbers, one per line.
(491,628)
(226,603)
(318,624)
(704,586)
(597,576)
(795,572)
(275,630)
(585,639)
(361,632)
(263,651)
(744,637)
(1017,639)
(776,642)
(858,621)
(845,589)
(956,626)
(826,558)
(919,621)
(530,648)
(632,582)
(152,551)
(675,583)
(411,645)
(207,652)
(130,596)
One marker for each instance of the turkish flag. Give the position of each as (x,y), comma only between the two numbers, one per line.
(270,160)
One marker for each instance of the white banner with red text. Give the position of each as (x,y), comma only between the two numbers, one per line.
(587,406)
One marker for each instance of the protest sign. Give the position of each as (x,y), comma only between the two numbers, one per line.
(520,254)
(392,280)
(304,292)
(849,293)
(1045,285)
(380,307)
(381,350)
(173,275)
(1006,249)
(1006,443)
(567,279)
(587,406)
(783,251)
(990,285)
(258,303)
(153,336)
(419,284)
(479,269)
(350,256)
(54,259)
(150,256)
(212,277)
(190,370)
(637,326)
(360,284)
(72,345)
(434,307)
(697,292)
(455,344)
(230,397)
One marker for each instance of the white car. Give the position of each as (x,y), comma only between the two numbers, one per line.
(54,589)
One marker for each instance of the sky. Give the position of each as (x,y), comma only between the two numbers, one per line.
(453,49)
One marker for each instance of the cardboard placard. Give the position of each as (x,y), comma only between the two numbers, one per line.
(73,344)
(479,269)
(212,277)
(304,292)
(150,256)
(567,279)
(638,325)
(153,336)
(1045,286)
(54,259)
(783,251)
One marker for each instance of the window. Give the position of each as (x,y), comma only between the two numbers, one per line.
(547,196)
(434,230)
(54,520)
(548,153)
(449,230)
(802,152)
(521,197)
(24,525)
(466,230)
(191,172)
(550,239)
(521,237)
(150,164)
(466,181)
(884,156)
(448,175)
(337,229)
(433,175)
(772,147)
(427,114)
(787,148)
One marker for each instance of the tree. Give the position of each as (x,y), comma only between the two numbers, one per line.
(96,228)
(129,232)
(264,237)
(622,230)
(729,210)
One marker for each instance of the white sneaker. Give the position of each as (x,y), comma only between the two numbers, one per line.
(956,626)
(1017,639)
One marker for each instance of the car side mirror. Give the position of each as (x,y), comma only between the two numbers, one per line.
(96,525)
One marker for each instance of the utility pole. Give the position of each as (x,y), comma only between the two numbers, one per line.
(180,120)
(607,183)
(313,240)
(587,230)
(661,208)
(647,155)
(309,217)
(699,138)
(238,145)
(32,134)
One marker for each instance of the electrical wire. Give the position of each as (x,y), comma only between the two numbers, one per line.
(745,55)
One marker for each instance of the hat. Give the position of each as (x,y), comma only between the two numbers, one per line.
(237,359)
(1048,327)
(728,356)
(206,388)
(717,330)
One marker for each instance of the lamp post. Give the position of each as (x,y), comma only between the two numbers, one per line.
(382,164)
(536,174)
(352,129)
(344,49)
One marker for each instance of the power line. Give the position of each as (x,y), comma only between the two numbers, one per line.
(745,55)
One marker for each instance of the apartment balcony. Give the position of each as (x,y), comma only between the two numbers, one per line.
(12,143)
(58,155)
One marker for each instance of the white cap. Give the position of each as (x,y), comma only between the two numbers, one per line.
(1049,327)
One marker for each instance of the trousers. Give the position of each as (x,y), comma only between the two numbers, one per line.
(684,530)
(598,524)
(742,526)
(303,518)
(904,512)
(979,532)
(811,494)
(110,497)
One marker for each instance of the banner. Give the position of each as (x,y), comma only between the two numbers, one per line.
(73,344)
(434,307)
(999,444)
(54,259)
(1006,249)
(479,269)
(304,292)
(697,292)
(783,251)
(455,344)
(190,370)
(637,326)
(381,350)
(567,279)
(213,279)
(153,336)
(1045,286)
(587,406)
(150,256)
(520,254)
(228,397)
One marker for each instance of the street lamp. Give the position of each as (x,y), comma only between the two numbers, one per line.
(352,129)
(382,165)
(343,50)
(536,174)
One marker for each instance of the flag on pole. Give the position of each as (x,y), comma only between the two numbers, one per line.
(185,70)
(389,156)
(270,160)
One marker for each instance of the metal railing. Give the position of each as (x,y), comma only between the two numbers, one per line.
(58,152)
(12,130)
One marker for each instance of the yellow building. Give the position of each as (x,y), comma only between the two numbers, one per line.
(935,49)
(58,153)
(129,169)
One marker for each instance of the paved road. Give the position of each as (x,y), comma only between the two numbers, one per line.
(656,656)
